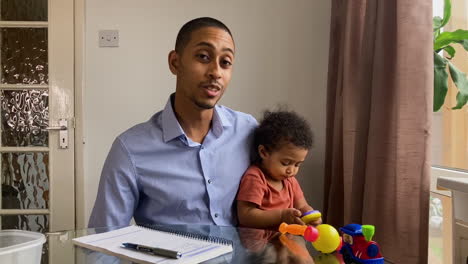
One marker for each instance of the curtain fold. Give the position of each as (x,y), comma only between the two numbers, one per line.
(379,110)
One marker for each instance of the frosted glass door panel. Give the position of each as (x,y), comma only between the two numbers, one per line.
(37,223)
(24,118)
(24,56)
(25,180)
(23,10)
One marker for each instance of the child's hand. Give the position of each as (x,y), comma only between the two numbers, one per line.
(291,216)
(316,222)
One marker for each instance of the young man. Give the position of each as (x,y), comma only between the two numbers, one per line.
(183,165)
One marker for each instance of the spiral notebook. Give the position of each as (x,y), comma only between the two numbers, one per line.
(195,248)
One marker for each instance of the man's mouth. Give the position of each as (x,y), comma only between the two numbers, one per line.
(212,87)
(212,90)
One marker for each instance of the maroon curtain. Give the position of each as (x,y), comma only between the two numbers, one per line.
(379,110)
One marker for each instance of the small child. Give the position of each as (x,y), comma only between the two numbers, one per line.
(269,194)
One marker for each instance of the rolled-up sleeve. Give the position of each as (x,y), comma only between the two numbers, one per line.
(118,193)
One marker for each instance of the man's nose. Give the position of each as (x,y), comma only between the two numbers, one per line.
(214,71)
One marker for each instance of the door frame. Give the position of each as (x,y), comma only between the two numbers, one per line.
(80,80)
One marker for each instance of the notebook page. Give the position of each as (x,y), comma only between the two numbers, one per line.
(192,250)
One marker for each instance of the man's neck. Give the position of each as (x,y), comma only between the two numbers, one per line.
(195,121)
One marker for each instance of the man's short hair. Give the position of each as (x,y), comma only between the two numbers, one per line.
(183,37)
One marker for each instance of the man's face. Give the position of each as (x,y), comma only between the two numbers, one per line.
(204,67)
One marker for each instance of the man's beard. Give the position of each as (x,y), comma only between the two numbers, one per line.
(204,105)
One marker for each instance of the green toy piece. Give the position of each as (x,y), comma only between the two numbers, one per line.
(368,231)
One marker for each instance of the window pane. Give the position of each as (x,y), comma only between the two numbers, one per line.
(23,10)
(436,248)
(24,56)
(25,180)
(24,117)
(450,127)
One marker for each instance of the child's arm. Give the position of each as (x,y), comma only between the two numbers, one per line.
(303,206)
(251,216)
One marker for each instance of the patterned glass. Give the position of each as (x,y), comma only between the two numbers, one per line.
(37,223)
(25,181)
(24,117)
(24,56)
(23,10)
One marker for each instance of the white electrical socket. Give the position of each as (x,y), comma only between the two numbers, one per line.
(108,38)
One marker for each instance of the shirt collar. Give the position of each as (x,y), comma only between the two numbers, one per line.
(172,129)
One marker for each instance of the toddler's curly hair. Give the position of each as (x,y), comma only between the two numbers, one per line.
(281,127)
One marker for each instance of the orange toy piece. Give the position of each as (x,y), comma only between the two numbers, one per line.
(293,229)
(310,233)
(294,247)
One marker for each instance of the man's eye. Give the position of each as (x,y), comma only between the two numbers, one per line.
(285,163)
(226,63)
(203,57)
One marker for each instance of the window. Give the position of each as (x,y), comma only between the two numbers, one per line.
(449,145)
(450,127)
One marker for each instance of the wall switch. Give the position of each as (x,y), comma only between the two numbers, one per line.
(108,38)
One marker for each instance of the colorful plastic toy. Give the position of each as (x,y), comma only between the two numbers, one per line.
(308,232)
(334,258)
(310,216)
(294,247)
(358,246)
(324,237)
(328,240)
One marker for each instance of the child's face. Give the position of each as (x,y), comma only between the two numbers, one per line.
(282,163)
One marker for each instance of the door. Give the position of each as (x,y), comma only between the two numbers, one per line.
(37,115)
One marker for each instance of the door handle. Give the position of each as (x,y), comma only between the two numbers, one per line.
(63,132)
(57,128)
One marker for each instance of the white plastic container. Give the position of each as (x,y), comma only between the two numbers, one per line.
(20,247)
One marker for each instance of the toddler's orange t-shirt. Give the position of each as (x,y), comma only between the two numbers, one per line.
(255,188)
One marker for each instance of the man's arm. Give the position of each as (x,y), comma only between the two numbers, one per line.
(118,192)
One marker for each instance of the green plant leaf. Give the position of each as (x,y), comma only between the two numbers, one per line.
(450,50)
(436,34)
(440,81)
(436,23)
(461,101)
(460,80)
(446,38)
(447,12)
(464,43)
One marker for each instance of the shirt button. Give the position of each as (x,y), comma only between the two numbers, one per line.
(209,181)
(216,215)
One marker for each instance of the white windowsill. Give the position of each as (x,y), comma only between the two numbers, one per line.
(437,172)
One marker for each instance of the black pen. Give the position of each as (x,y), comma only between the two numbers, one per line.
(153,250)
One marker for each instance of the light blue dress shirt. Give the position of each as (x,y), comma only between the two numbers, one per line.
(158,175)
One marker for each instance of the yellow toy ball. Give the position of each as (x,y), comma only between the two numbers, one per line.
(328,259)
(328,239)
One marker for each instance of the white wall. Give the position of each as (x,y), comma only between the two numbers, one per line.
(281,57)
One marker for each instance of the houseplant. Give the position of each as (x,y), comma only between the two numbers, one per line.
(443,41)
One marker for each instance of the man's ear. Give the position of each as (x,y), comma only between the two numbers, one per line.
(173,60)
(262,152)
